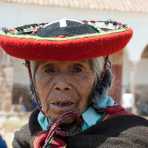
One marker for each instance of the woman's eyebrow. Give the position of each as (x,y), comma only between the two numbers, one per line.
(82,62)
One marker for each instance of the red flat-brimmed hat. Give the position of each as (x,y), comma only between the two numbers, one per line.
(65,39)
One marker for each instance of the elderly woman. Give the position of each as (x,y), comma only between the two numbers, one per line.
(70,74)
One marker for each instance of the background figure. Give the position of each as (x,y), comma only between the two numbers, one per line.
(2,143)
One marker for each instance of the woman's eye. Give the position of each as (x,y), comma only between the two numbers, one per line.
(77,68)
(50,69)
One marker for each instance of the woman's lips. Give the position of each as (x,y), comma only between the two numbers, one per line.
(62,105)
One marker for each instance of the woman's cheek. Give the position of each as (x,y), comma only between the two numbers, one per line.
(43,88)
(86,86)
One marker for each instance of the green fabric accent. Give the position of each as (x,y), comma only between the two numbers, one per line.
(90,117)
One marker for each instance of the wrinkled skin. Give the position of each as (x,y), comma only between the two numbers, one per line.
(64,86)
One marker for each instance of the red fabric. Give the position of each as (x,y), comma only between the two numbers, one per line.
(39,140)
(55,143)
(74,49)
(115,111)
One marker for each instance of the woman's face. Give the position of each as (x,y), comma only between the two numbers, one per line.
(64,86)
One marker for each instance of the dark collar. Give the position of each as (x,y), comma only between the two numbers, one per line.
(34,126)
(115,119)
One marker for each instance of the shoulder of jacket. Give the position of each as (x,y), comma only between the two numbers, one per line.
(116,124)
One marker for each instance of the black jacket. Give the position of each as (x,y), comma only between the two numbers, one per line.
(121,131)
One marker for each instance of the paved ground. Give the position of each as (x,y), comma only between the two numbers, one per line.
(9,123)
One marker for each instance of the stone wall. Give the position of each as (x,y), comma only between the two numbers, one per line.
(21,98)
(6,81)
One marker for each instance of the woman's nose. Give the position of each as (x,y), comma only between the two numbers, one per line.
(62,86)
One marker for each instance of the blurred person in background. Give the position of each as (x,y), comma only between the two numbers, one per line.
(70,74)
(2,142)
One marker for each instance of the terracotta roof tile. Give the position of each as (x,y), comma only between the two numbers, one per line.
(117,5)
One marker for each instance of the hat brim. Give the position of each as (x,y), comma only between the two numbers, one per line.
(67,48)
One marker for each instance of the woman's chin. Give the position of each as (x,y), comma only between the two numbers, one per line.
(64,120)
(55,112)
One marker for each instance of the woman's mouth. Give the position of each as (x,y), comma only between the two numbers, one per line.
(62,105)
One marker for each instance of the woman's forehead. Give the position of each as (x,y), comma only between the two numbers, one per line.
(60,62)
(36,64)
